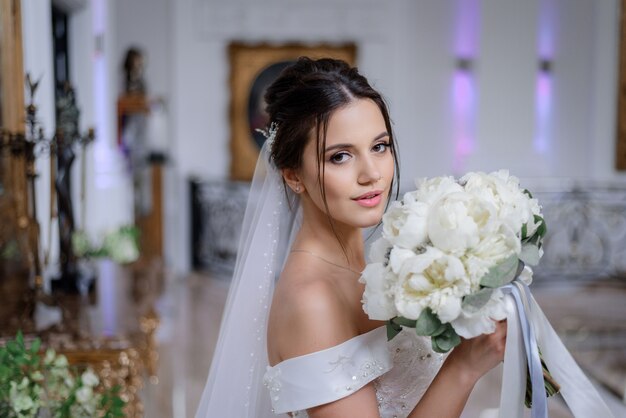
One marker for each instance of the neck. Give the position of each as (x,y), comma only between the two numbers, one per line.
(317,235)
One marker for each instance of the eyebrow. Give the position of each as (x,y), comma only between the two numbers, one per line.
(332,147)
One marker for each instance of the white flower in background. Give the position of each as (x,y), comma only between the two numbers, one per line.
(49,357)
(122,247)
(37,376)
(432,279)
(378,297)
(84,394)
(472,324)
(20,399)
(60,361)
(89,378)
(404,223)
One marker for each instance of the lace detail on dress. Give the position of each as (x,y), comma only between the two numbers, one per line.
(415,365)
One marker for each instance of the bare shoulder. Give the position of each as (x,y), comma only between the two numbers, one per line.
(308,314)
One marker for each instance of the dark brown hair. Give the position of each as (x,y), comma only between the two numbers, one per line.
(302,100)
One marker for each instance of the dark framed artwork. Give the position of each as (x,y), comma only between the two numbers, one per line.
(620,152)
(253,67)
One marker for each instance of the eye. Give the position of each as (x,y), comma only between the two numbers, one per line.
(381,147)
(339,158)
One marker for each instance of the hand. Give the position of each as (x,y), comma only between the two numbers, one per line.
(478,355)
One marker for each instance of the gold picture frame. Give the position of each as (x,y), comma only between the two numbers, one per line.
(620,151)
(247,64)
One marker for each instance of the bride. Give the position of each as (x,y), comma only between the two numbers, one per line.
(294,338)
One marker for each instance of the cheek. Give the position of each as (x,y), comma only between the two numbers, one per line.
(337,187)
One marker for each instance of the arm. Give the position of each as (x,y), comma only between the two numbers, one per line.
(449,391)
(447,394)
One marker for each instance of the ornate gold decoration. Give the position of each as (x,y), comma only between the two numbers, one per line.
(246,63)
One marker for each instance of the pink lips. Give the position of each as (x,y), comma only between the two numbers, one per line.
(370,199)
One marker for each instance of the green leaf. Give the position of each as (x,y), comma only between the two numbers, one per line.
(446,341)
(34,348)
(524,231)
(13,348)
(542,229)
(475,301)
(502,273)
(428,323)
(392,330)
(405,322)
(527,192)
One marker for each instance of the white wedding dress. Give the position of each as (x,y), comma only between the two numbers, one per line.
(401,371)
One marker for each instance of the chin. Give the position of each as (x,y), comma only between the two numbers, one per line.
(365,220)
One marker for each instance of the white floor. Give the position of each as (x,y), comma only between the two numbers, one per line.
(190,312)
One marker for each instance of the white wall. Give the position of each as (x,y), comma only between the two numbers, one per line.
(37,49)
(406,48)
(108,195)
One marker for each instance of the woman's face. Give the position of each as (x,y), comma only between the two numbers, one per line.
(358,165)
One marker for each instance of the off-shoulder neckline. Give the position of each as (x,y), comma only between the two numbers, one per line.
(334,347)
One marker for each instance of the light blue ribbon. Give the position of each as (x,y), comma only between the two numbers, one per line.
(519,290)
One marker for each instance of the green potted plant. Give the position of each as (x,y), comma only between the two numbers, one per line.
(38,386)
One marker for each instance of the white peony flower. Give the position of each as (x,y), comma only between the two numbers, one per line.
(378,296)
(398,256)
(454,222)
(515,208)
(404,223)
(432,279)
(473,324)
(430,190)
(378,250)
(489,251)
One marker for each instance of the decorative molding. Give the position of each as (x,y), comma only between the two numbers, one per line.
(586,239)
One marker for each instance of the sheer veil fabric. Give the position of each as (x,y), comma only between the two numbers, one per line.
(234,387)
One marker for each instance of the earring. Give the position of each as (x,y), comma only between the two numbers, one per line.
(297,188)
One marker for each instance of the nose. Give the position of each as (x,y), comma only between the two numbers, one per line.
(369,172)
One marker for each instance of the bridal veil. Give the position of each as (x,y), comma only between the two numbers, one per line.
(234,387)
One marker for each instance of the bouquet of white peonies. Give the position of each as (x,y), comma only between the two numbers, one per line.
(455,257)
(446,250)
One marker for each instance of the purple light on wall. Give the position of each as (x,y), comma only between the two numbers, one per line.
(464,103)
(545,80)
(464,82)
(545,39)
(466,36)
(543,110)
